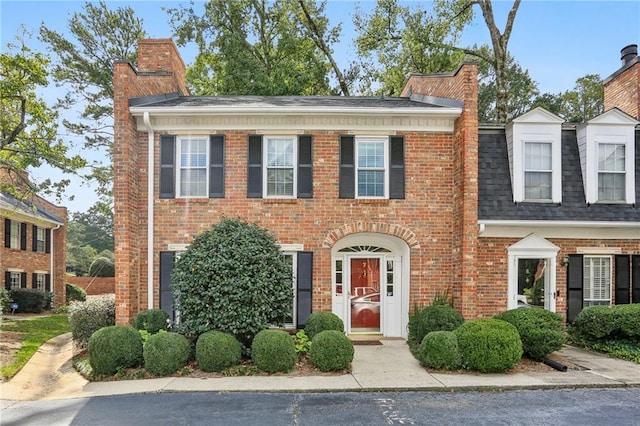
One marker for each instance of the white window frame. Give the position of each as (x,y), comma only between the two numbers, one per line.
(294,286)
(359,140)
(15,237)
(294,167)
(179,167)
(589,299)
(600,172)
(15,280)
(536,171)
(41,278)
(41,239)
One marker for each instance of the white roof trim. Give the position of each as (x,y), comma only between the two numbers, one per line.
(560,223)
(24,216)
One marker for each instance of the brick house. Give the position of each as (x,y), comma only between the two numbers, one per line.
(34,251)
(374,200)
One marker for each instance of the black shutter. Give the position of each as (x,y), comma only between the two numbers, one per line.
(305,166)
(254,172)
(7,280)
(396,174)
(23,279)
(623,279)
(347,169)
(47,241)
(575,295)
(304,287)
(7,233)
(47,282)
(167,166)
(635,278)
(216,166)
(167,259)
(34,280)
(34,238)
(23,236)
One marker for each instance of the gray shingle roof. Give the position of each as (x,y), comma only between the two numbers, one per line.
(11,203)
(495,197)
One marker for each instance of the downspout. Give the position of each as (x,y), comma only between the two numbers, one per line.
(53,272)
(150,171)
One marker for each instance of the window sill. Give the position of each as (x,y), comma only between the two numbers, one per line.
(279,200)
(185,201)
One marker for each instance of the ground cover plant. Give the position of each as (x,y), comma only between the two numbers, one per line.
(33,333)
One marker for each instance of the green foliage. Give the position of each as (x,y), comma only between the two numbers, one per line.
(432,318)
(87,317)
(165,353)
(321,321)
(301,342)
(103,265)
(29,299)
(331,351)
(151,320)
(5,300)
(232,278)
(75,293)
(594,323)
(489,345)
(144,334)
(114,347)
(439,349)
(443,298)
(216,351)
(273,351)
(541,331)
(618,348)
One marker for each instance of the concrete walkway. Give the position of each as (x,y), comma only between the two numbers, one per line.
(389,367)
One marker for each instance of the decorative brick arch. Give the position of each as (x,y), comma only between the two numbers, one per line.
(398,231)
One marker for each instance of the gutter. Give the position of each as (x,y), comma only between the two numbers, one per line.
(150,213)
(557,224)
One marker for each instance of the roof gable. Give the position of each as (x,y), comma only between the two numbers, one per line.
(538,115)
(614,116)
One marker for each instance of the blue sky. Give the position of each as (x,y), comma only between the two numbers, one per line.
(557,41)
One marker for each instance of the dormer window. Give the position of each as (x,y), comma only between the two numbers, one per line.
(534,143)
(607,157)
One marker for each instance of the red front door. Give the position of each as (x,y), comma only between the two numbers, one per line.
(365,295)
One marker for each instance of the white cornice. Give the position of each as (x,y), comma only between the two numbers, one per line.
(21,216)
(560,229)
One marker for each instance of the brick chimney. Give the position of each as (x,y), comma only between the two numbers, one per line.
(622,88)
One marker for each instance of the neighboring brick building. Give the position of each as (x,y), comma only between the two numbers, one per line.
(34,251)
(374,199)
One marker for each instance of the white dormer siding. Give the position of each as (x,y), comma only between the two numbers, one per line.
(607,157)
(534,144)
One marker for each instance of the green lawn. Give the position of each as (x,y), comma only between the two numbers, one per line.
(35,331)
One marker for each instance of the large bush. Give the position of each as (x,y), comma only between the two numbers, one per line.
(321,321)
(232,278)
(5,300)
(75,293)
(151,320)
(489,345)
(439,349)
(541,331)
(273,351)
(29,299)
(433,318)
(85,318)
(113,348)
(331,350)
(216,351)
(596,323)
(165,353)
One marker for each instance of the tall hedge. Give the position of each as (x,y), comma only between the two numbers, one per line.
(232,278)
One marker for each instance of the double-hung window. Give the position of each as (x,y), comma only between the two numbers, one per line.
(16,234)
(40,239)
(372,165)
(538,171)
(193,160)
(281,159)
(611,172)
(597,280)
(14,280)
(39,281)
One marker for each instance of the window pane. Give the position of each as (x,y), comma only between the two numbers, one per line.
(371,154)
(597,281)
(193,182)
(15,235)
(15,280)
(611,186)
(279,152)
(611,157)
(370,183)
(538,156)
(280,182)
(537,185)
(193,153)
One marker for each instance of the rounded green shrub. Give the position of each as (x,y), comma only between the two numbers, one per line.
(489,345)
(439,349)
(151,320)
(331,350)
(232,278)
(114,347)
(29,299)
(216,351)
(75,293)
(85,318)
(600,322)
(166,353)
(433,318)
(273,351)
(541,331)
(321,321)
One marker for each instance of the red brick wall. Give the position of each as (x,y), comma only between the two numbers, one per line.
(623,91)
(94,285)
